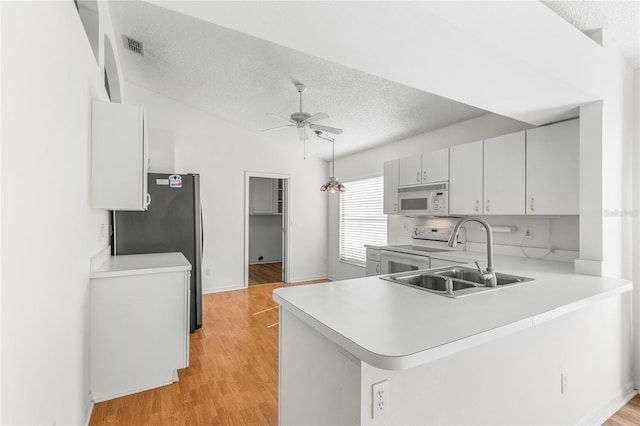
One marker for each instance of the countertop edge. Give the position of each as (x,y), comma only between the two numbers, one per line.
(141,264)
(407,361)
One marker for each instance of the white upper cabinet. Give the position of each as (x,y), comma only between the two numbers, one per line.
(504,174)
(390,204)
(119,157)
(265,196)
(410,170)
(429,167)
(465,179)
(435,166)
(553,153)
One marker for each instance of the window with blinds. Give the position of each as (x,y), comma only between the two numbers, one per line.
(361,219)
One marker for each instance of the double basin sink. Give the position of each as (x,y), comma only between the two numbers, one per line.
(453,281)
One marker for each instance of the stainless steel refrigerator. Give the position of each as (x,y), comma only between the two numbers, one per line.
(172,223)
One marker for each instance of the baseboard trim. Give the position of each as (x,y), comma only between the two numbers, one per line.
(609,408)
(88,411)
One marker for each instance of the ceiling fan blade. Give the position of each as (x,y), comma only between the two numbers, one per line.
(278,128)
(317,117)
(326,128)
(279,116)
(302,133)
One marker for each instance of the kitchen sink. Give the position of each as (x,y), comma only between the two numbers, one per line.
(453,281)
(474,276)
(434,282)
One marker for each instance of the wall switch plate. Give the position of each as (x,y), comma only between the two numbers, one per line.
(379,399)
(564,382)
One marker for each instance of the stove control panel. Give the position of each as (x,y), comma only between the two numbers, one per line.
(424,232)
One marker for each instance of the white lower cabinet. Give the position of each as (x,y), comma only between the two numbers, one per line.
(439,263)
(373,266)
(139,332)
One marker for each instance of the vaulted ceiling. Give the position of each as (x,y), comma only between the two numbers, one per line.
(241,77)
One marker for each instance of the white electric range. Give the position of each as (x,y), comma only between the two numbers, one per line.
(426,240)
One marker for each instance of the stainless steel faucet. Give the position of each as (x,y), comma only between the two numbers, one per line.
(489,275)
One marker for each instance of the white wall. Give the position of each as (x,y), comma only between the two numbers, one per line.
(221,153)
(370,163)
(49,231)
(265,238)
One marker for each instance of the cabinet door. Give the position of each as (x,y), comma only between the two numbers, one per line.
(410,170)
(504,174)
(372,268)
(553,155)
(435,166)
(465,179)
(390,205)
(119,157)
(262,195)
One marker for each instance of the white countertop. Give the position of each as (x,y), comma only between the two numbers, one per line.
(140,264)
(392,326)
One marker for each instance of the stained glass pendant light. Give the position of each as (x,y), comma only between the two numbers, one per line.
(333,185)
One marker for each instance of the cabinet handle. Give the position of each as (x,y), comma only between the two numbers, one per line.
(531,205)
(487,206)
(424,177)
(477,207)
(148,199)
(418,177)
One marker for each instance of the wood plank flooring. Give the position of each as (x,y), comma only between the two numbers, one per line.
(232,378)
(629,415)
(265,273)
(233,374)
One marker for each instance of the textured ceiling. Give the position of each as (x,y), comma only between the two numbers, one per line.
(619,20)
(241,78)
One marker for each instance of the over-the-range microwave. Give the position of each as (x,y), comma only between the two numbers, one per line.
(431,199)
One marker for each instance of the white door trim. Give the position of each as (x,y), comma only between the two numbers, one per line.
(286,221)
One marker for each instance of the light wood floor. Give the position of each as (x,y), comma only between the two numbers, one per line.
(233,374)
(265,273)
(232,378)
(629,415)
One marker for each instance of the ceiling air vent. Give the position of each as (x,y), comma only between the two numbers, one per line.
(133,45)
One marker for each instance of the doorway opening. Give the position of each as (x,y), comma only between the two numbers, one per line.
(266,225)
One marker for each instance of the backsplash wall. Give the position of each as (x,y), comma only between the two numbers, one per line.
(549,232)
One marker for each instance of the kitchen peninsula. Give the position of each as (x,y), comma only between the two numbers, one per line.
(555,350)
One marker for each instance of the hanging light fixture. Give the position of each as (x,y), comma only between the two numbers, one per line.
(332,185)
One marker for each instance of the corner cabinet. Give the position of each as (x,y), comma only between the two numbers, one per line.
(139,328)
(119,157)
(390,187)
(553,173)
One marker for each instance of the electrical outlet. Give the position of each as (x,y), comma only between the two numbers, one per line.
(528,231)
(207,271)
(379,398)
(405,226)
(564,382)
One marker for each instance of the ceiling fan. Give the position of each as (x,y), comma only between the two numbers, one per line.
(301,120)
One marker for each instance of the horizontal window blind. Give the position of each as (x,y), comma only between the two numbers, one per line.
(361,218)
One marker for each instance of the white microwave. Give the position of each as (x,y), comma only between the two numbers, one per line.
(432,199)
